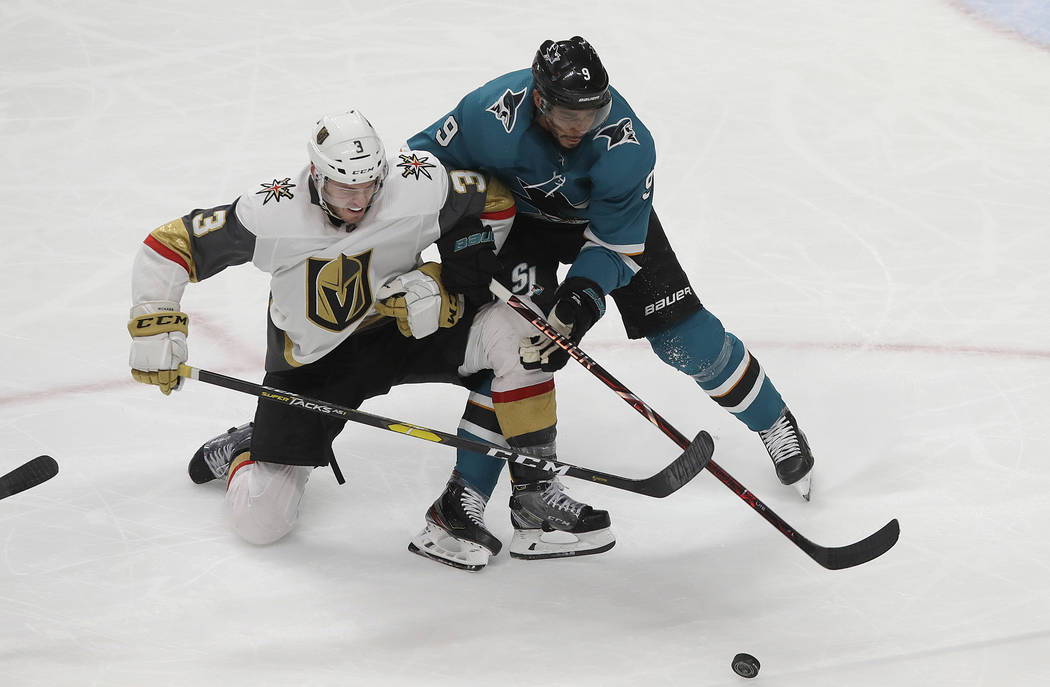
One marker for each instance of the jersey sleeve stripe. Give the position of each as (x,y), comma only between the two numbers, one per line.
(499,201)
(501,214)
(163,250)
(623,249)
(626,257)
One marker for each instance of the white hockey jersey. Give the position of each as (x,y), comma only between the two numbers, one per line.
(323,277)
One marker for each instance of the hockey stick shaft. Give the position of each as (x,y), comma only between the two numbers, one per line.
(687,465)
(832,558)
(28,475)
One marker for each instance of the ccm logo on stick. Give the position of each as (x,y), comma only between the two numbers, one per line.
(532,462)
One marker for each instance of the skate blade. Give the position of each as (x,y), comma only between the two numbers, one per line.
(539,545)
(804,486)
(437,545)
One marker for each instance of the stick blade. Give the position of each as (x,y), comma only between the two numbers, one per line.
(685,467)
(858,553)
(28,475)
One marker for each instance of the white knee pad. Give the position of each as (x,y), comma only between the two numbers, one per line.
(493,345)
(262,500)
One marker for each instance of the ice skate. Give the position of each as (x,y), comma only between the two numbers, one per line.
(455,533)
(790,452)
(212,460)
(550,524)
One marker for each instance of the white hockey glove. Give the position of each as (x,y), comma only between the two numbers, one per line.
(158,344)
(535,351)
(420,302)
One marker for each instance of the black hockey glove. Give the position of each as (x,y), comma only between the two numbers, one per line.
(468,260)
(578,303)
(470,275)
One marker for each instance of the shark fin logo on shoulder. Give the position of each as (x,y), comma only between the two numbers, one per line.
(505,109)
(619,133)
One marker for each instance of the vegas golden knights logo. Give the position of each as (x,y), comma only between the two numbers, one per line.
(338,292)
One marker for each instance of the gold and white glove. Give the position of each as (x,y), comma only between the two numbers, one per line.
(158,343)
(535,350)
(420,302)
(578,303)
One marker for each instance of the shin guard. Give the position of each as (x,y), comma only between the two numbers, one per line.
(700,347)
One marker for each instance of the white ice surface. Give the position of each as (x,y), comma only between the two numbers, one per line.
(860,190)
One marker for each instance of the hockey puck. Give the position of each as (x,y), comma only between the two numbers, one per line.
(746,665)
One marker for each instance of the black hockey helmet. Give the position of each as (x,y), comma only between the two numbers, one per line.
(569,74)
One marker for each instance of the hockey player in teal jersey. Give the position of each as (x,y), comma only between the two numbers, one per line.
(581,166)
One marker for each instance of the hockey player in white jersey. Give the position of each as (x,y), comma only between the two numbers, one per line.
(352,311)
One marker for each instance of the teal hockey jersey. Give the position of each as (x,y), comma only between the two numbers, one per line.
(603,187)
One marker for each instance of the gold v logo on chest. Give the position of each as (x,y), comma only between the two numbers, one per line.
(338,290)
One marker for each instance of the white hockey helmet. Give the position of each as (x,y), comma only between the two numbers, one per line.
(345,148)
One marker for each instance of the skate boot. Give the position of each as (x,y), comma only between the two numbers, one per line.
(212,460)
(455,533)
(549,524)
(790,452)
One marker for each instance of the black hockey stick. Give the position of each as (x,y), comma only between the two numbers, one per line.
(832,558)
(685,467)
(28,475)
